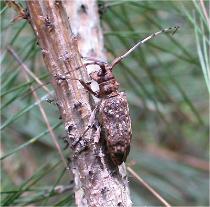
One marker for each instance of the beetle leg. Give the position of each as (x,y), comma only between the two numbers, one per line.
(97,133)
(95,60)
(92,120)
(88,88)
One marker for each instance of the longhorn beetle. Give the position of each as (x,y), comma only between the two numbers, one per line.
(112,111)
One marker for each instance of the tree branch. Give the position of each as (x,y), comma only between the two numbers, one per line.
(98,182)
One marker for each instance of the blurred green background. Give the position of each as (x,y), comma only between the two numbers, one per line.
(167,84)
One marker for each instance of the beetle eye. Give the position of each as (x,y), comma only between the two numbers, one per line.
(101,73)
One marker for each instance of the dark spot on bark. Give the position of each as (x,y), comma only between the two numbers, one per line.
(92,176)
(83,8)
(104,190)
(68,94)
(58,3)
(77,105)
(70,127)
(49,25)
(119,204)
(98,158)
(101,8)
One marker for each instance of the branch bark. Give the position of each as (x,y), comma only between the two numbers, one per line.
(97,181)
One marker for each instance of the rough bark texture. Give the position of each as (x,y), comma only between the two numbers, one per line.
(97,181)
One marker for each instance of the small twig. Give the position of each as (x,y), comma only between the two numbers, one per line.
(22,14)
(27,93)
(146,185)
(189,160)
(25,68)
(26,72)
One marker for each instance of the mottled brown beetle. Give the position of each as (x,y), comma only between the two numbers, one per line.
(112,111)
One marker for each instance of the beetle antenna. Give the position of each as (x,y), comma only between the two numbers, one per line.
(171,30)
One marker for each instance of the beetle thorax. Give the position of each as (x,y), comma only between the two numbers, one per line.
(108,86)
